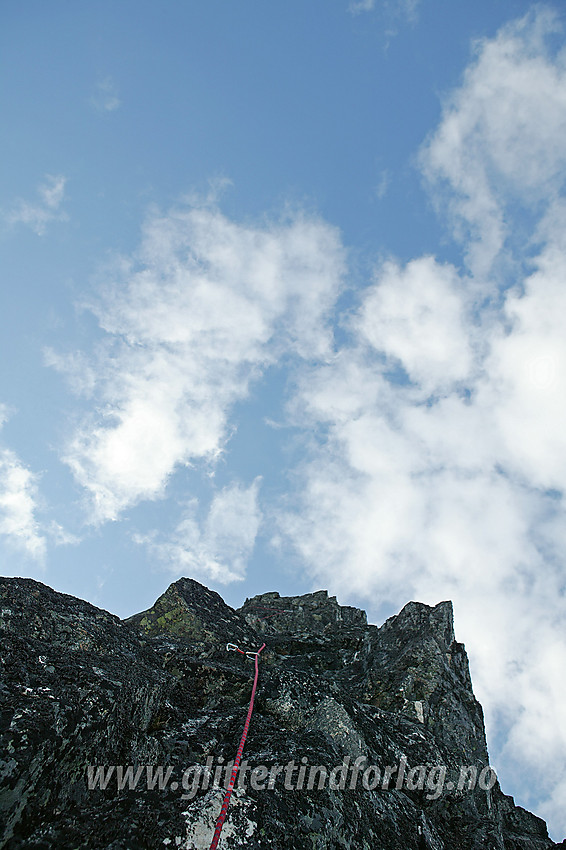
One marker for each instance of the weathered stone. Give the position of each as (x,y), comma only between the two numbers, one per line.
(81,688)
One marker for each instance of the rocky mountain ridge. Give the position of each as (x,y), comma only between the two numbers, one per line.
(120,734)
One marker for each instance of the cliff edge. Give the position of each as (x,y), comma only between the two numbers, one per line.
(120,734)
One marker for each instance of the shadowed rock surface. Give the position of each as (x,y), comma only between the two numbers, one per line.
(86,696)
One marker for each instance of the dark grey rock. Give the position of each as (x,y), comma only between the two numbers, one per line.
(83,691)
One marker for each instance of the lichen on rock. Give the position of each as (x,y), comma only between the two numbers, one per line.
(119,735)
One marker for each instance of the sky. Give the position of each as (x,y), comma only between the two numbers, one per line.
(282,308)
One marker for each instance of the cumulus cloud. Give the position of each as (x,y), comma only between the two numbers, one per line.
(417,316)
(500,140)
(18,503)
(527,376)
(438,487)
(201,310)
(47,209)
(438,469)
(217,548)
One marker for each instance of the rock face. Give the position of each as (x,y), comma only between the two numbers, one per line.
(120,734)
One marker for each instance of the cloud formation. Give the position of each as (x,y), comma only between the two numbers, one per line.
(205,306)
(439,470)
(393,9)
(435,438)
(18,504)
(357,6)
(216,548)
(39,214)
(500,140)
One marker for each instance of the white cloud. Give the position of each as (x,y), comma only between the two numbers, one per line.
(39,214)
(18,503)
(61,536)
(382,186)
(501,135)
(357,6)
(218,548)
(417,317)
(452,484)
(527,375)
(413,495)
(105,97)
(77,368)
(393,8)
(197,315)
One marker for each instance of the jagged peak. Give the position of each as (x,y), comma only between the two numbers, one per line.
(394,695)
(417,616)
(315,613)
(190,610)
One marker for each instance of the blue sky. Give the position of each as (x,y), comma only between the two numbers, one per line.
(282,308)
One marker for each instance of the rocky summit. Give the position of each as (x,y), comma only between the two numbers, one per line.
(122,733)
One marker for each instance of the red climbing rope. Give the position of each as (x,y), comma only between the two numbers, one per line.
(228,794)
